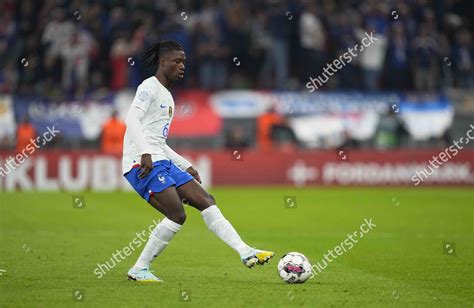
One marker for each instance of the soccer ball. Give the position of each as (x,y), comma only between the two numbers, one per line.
(294,267)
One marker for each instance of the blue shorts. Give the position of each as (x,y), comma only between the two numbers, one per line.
(163,175)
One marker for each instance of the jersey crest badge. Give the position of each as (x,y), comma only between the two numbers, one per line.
(143,96)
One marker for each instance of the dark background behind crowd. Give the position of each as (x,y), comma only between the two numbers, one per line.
(68,49)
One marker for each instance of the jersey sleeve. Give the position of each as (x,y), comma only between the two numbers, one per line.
(143,97)
(134,116)
(180,161)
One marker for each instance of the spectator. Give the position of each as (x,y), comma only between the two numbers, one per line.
(120,53)
(390,132)
(425,64)
(372,58)
(8,41)
(344,36)
(312,41)
(276,56)
(397,64)
(30,67)
(283,136)
(212,54)
(265,123)
(260,41)
(117,23)
(76,54)
(112,136)
(8,79)
(463,57)
(26,133)
(237,38)
(236,138)
(57,33)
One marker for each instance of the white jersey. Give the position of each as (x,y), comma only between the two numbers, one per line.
(158,104)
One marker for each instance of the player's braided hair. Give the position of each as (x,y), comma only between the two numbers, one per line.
(153,53)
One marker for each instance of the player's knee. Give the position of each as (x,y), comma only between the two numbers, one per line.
(178,217)
(211,200)
(206,201)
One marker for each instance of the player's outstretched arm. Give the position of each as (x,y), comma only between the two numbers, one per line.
(177,159)
(181,162)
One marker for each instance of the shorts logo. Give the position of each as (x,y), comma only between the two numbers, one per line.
(161,179)
(143,96)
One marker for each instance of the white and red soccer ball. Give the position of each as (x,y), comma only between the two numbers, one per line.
(294,267)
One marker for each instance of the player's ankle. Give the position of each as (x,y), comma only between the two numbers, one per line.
(138,267)
(246,252)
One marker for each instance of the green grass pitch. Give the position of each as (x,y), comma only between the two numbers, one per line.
(49,250)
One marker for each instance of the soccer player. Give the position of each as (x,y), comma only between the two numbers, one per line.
(160,175)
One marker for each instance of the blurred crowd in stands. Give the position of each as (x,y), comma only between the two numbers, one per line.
(66,49)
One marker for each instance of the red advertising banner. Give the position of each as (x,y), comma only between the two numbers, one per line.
(57,170)
(367,168)
(194,116)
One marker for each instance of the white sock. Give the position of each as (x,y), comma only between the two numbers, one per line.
(217,223)
(159,239)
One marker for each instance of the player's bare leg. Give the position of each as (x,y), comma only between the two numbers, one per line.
(169,204)
(198,198)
